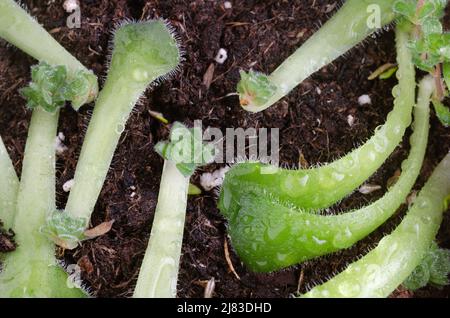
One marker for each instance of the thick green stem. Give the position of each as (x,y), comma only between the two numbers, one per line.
(382,270)
(355,21)
(21,30)
(143,52)
(269,236)
(9,186)
(323,186)
(112,109)
(31,270)
(159,270)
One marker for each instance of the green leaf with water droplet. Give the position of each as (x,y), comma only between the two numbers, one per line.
(186,149)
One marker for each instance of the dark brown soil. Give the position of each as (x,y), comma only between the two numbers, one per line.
(312,122)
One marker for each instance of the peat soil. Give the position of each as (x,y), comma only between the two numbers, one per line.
(313,123)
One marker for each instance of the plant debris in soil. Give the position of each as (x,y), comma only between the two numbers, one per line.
(313,123)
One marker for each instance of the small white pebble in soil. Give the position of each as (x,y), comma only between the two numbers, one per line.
(227,5)
(221,56)
(133,194)
(369,188)
(318,90)
(71,5)
(364,99)
(350,120)
(133,188)
(60,148)
(68,185)
(209,180)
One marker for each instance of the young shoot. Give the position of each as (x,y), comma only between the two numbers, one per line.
(143,54)
(433,269)
(9,185)
(430,46)
(397,255)
(323,186)
(32,269)
(182,154)
(20,29)
(269,235)
(355,21)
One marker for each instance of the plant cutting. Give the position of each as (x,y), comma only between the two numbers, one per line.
(269,235)
(355,21)
(322,186)
(32,269)
(20,29)
(9,185)
(265,206)
(396,256)
(182,155)
(144,53)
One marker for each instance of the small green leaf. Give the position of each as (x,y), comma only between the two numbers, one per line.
(51,87)
(186,149)
(388,74)
(427,10)
(431,25)
(442,112)
(406,9)
(65,230)
(439,7)
(433,269)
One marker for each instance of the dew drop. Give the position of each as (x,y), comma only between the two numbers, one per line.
(284,88)
(318,241)
(304,180)
(338,176)
(349,289)
(372,271)
(281,257)
(396,91)
(140,75)
(372,156)
(261,263)
(325,293)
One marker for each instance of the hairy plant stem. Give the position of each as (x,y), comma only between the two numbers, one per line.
(9,186)
(159,270)
(32,270)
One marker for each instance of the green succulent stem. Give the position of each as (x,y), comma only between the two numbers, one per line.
(32,270)
(23,31)
(269,236)
(397,255)
(143,53)
(183,153)
(355,21)
(9,186)
(323,186)
(159,270)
